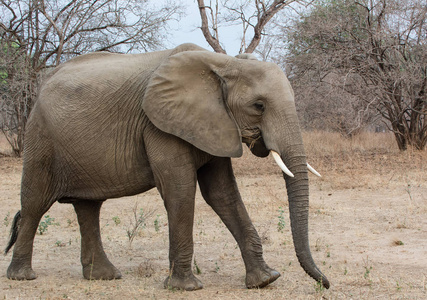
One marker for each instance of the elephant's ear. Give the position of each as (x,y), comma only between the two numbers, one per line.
(185,97)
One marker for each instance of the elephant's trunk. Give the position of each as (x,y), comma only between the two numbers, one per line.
(298,195)
(286,139)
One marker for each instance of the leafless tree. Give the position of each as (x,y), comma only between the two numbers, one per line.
(16,93)
(324,105)
(36,34)
(375,53)
(252,15)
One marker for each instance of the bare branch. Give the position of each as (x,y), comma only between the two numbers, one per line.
(212,40)
(265,14)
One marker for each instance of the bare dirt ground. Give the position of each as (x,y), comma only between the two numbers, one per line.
(368,233)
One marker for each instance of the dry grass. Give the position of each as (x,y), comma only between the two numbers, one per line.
(366,160)
(5,148)
(347,163)
(368,232)
(319,143)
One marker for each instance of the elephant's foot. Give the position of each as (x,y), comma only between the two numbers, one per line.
(20,273)
(189,283)
(260,278)
(99,271)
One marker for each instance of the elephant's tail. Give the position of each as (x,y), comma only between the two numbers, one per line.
(13,232)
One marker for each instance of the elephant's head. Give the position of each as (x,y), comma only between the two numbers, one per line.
(215,102)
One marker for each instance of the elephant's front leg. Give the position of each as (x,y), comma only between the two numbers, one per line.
(175,177)
(219,188)
(180,207)
(178,194)
(173,163)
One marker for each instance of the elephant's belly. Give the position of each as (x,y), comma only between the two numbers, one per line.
(109,182)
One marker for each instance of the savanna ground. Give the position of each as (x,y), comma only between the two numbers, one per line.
(368,232)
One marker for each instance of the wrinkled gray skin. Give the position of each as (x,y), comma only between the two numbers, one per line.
(111,125)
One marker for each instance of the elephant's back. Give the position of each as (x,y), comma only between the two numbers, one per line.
(95,84)
(85,77)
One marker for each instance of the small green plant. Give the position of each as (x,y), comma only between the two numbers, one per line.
(43,225)
(116,220)
(319,287)
(157,223)
(345,271)
(328,251)
(138,222)
(281,224)
(6,220)
(398,243)
(367,274)
(196,268)
(216,267)
(368,269)
(60,244)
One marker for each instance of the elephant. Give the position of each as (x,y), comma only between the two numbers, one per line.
(107,125)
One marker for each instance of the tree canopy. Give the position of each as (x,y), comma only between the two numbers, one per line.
(374,52)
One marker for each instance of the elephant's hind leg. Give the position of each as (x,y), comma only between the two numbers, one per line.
(20,267)
(93,258)
(31,212)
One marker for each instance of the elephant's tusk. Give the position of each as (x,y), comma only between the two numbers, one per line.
(281,164)
(312,170)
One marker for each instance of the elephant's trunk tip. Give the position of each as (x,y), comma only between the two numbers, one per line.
(318,276)
(313,271)
(13,232)
(325,282)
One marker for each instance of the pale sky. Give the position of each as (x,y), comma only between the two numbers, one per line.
(187,31)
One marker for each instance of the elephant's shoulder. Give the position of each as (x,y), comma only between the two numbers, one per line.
(88,59)
(92,56)
(79,62)
(187,47)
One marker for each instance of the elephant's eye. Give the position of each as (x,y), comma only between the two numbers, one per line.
(259,106)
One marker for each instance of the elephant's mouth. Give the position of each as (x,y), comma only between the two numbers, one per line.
(252,137)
